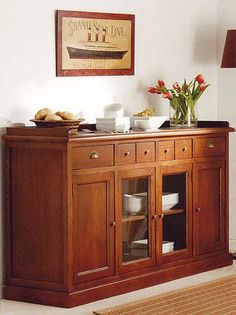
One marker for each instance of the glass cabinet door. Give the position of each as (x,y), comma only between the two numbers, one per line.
(175,212)
(137,200)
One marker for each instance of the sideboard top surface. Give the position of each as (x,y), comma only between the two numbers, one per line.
(65,135)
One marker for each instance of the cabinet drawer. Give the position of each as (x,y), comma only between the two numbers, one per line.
(165,150)
(94,156)
(209,147)
(125,154)
(145,152)
(183,149)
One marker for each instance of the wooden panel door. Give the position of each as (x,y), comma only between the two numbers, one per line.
(209,191)
(174,206)
(93,226)
(135,219)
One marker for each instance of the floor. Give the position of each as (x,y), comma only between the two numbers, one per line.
(20,308)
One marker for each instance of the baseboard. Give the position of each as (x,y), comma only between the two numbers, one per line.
(84,296)
(232,245)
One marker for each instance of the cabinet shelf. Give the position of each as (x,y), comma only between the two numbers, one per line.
(133,218)
(174,211)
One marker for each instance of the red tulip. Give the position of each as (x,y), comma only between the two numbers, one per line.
(202,87)
(176,86)
(200,79)
(161,83)
(152,90)
(167,95)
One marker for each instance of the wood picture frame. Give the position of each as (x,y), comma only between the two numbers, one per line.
(91,43)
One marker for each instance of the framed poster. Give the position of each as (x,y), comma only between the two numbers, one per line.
(90,43)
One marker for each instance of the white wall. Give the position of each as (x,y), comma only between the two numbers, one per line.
(227,99)
(174,40)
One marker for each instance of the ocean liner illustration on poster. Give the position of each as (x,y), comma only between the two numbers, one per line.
(97,48)
(95,43)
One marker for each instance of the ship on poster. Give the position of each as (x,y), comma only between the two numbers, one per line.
(96,43)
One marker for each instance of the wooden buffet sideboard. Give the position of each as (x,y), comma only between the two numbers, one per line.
(92,215)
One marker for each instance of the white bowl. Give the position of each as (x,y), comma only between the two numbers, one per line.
(148,123)
(135,203)
(115,110)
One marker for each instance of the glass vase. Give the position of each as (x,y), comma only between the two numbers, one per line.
(183,113)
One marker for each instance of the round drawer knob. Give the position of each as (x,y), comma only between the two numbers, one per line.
(184,149)
(146,152)
(93,155)
(166,151)
(126,154)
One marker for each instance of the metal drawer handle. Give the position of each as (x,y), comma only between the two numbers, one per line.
(126,153)
(184,149)
(166,151)
(93,155)
(146,152)
(210,145)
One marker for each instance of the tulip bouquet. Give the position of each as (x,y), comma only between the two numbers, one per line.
(182,100)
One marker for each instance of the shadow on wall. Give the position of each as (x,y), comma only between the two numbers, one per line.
(205,45)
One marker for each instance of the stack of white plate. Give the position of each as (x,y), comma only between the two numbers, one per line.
(169,200)
(120,124)
(139,247)
(167,247)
